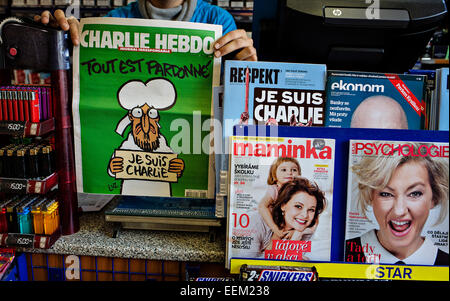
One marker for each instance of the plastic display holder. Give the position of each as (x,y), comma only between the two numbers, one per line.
(29,45)
(26,128)
(28,186)
(34,241)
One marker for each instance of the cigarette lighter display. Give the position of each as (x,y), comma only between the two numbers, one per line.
(25,44)
(24,217)
(27,161)
(9,102)
(32,163)
(26,103)
(11,214)
(38,216)
(51,217)
(3,217)
(19,162)
(24,220)
(3,222)
(30,214)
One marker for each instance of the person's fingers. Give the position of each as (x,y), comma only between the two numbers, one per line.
(37,18)
(232,35)
(253,58)
(247,54)
(61,19)
(233,41)
(45,17)
(233,45)
(74,30)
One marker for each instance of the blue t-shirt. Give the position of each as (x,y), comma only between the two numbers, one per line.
(203,13)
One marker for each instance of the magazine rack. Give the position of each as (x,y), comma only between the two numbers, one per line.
(336,268)
(28,45)
(164,213)
(164,223)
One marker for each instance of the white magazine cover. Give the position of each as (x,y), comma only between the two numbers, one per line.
(280,198)
(397,203)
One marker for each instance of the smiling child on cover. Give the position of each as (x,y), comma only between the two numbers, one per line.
(282,170)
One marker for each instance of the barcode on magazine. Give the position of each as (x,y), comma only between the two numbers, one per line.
(223,182)
(220,206)
(193,193)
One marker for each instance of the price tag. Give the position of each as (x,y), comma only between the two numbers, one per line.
(12,127)
(20,240)
(13,185)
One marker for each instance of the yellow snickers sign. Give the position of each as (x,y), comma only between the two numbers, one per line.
(357,271)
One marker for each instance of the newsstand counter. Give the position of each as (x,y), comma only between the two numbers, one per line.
(95,238)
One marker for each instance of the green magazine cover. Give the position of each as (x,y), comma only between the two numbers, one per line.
(142,107)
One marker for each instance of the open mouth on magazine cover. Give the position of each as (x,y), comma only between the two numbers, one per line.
(400,228)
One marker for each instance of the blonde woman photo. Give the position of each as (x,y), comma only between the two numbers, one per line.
(402,190)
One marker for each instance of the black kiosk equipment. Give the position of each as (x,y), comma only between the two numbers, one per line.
(365,35)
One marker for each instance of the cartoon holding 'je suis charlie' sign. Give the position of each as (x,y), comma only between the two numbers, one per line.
(142,90)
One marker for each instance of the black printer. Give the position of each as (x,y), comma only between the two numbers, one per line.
(367,35)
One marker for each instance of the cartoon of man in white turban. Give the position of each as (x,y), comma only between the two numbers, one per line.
(143,101)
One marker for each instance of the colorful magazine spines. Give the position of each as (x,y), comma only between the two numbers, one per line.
(442,95)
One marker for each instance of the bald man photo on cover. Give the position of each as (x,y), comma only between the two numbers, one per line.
(379,112)
(143,101)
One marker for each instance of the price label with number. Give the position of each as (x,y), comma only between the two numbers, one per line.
(20,240)
(13,185)
(12,127)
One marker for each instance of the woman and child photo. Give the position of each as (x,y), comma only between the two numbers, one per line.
(289,210)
